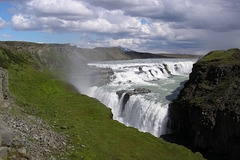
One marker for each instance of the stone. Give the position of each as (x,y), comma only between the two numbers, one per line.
(133,92)
(13,157)
(63,127)
(83,146)
(3,152)
(141,90)
(22,150)
(6,135)
(3,84)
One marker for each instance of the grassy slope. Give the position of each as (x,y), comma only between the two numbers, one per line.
(91,131)
(223,56)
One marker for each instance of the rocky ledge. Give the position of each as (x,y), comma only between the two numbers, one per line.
(133,92)
(206,115)
(127,93)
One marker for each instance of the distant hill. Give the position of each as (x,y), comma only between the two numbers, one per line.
(143,55)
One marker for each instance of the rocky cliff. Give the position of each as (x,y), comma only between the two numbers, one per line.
(206,114)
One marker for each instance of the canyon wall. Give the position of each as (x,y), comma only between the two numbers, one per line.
(206,115)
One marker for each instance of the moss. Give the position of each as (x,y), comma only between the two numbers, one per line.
(206,87)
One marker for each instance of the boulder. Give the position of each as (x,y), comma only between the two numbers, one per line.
(6,136)
(3,152)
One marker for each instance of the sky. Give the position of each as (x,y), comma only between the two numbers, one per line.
(157,26)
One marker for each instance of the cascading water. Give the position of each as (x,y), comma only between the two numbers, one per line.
(145,111)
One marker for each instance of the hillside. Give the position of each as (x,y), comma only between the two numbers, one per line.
(49,113)
(206,114)
(142,55)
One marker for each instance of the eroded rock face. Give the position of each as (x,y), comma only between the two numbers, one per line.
(3,84)
(206,113)
(5,100)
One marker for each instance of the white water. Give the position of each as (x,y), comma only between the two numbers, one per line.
(146,112)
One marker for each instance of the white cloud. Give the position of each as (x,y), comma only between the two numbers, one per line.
(21,22)
(132,43)
(2,23)
(211,15)
(6,36)
(172,26)
(63,9)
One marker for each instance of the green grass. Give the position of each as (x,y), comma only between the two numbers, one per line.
(222,55)
(91,130)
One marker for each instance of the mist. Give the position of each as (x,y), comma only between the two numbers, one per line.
(83,76)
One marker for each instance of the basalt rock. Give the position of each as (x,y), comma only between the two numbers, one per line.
(206,114)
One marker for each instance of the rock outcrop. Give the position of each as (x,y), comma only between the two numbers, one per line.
(127,93)
(133,92)
(206,114)
(4,95)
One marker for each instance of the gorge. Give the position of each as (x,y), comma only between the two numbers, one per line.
(203,116)
(38,78)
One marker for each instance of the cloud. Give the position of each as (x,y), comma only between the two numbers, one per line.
(38,16)
(24,23)
(214,15)
(63,9)
(6,36)
(156,25)
(132,43)
(217,15)
(2,23)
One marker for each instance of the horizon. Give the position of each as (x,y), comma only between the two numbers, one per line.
(155,26)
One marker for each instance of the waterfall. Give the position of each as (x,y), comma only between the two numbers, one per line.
(148,112)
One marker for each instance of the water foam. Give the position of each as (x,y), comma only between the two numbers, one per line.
(146,112)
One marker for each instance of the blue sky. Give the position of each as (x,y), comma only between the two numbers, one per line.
(176,26)
(32,36)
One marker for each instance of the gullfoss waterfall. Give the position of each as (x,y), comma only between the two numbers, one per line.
(140,90)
